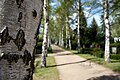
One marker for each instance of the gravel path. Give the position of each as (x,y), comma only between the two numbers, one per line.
(73,67)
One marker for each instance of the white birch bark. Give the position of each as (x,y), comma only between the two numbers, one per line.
(19,21)
(45,37)
(78,29)
(107,31)
(62,37)
(69,41)
(66,32)
(59,39)
(49,42)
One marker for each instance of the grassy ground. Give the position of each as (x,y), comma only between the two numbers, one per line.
(114,65)
(48,73)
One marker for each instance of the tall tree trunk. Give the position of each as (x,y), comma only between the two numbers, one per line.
(45,38)
(49,42)
(107,32)
(78,28)
(59,39)
(62,37)
(69,41)
(67,32)
(19,20)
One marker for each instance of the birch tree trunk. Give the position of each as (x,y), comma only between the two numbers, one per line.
(78,29)
(19,21)
(69,41)
(62,37)
(107,31)
(67,32)
(49,42)
(59,41)
(45,37)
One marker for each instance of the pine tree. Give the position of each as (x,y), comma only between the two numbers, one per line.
(93,28)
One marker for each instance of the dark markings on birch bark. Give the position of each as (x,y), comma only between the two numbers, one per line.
(5,36)
(14,57)
(34,13)
(47,20)
(11,57)
(20,17)
(19,2)
(20,40)
(27,57)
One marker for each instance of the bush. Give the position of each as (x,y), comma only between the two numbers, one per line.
(39,48)
(38,51)
(85,50)
(115,56)
(98,52)
(39,45)
(74,45)
(50,50)
(115,45)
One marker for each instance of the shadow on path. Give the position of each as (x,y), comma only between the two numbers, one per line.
(63,54)
(70,63)
(57,50)
(106,77)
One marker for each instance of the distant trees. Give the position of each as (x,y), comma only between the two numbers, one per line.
(83,36)
(62,24)
(91,33)
(116,16)
(81,25)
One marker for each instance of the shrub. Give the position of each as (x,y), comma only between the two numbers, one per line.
(50,50)
(115,56)
(74,45)
(117,45)
(39,45)
(85,50)
(38,51)
(98,52)
(39,48)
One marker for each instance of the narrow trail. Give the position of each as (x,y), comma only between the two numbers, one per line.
(73,67)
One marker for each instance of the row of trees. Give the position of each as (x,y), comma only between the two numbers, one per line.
(61,22)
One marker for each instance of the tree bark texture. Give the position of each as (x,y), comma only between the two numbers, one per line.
(67,32)
(59,39)
(69,40)
(62,36)
(107,30)
(19,20)
(78,28)
(45,38)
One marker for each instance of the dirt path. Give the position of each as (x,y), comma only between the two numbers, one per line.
(73,67)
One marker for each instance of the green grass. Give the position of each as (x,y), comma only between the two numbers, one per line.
(48,73)
(114,65)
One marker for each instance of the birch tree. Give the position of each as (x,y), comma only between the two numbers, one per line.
(67,31)
(45,37)
(62,37)
(107,30)
(19,23)
(78,28)
(69,39)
